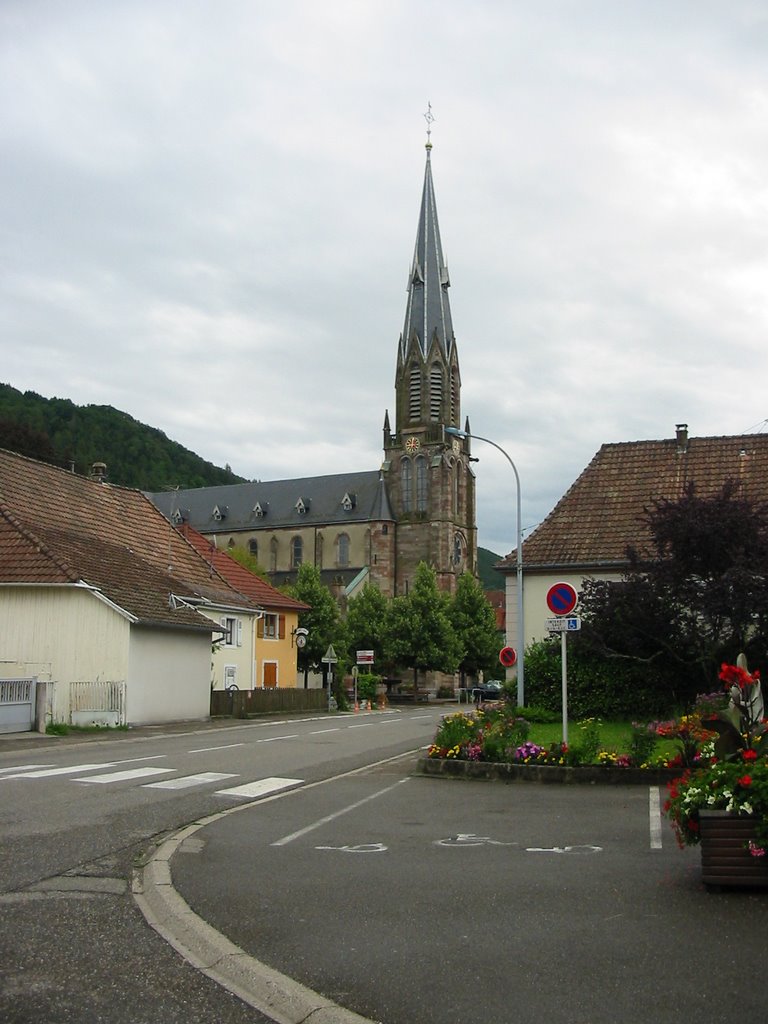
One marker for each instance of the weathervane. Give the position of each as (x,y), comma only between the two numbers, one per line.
(429,117)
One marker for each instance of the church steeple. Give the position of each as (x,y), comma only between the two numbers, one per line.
(429,478)
(427,380)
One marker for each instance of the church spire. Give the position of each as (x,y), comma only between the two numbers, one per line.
(428,311)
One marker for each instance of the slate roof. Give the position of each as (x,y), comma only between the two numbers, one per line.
(60,528)
(428,311)
(242,579)
(322,497)
(602,512)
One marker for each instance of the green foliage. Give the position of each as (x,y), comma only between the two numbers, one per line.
(366,623)
(474,623)
(642,744)
(490,578)
(247,560)
(419,633)
(695,600)
(366,686)
(322,619)
(597,686)
(56,430)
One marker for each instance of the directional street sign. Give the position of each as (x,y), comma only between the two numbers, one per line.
(564,625)
(365,657)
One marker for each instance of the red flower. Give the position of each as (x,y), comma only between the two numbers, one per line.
(745,780)
(749,755)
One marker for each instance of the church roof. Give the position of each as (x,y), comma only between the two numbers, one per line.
(428,311)
(602,513)
(336,499)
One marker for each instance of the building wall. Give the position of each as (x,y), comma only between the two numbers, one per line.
(62,634)
(281,652)
(535,610)
(320,545)
(239,654)
(169,676)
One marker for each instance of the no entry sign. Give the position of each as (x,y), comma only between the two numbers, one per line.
(561,599)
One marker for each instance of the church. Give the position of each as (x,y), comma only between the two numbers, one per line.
(373,526)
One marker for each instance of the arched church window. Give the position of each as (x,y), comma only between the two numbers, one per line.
(420,466)
(342,550)
(435,392)
(297,550)
(414,394)
(273,547)
(319,551)
(253,547)
(455,467)
(406,483)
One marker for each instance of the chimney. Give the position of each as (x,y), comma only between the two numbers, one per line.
(99,472)
(681,436)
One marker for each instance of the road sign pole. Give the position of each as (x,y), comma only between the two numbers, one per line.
(564,662)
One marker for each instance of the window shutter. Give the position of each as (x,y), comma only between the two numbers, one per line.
(239,632)
(281,627)
(260,628)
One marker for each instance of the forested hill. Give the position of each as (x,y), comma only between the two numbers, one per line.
(56,430)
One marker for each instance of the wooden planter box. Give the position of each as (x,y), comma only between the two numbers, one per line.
(725,857)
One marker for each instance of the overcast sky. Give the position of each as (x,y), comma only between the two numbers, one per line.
(209,209)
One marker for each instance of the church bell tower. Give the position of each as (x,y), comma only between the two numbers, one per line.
(429,477)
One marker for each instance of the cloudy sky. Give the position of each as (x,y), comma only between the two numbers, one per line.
(209,209)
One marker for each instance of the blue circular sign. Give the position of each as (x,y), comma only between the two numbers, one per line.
(562,599)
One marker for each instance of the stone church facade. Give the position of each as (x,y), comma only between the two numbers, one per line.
(376,526)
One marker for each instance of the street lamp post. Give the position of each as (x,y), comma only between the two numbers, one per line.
(455,432)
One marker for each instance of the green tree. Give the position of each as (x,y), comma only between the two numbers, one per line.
(322,620)
(247,560)
(474,623)
(697,597)
(419,634)
(366,623)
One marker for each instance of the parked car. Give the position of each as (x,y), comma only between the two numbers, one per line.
(491,689)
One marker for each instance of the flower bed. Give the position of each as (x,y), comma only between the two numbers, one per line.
(506,772)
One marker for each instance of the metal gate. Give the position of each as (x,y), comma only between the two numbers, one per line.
(17,705)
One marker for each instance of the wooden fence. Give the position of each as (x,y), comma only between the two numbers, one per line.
(244,703)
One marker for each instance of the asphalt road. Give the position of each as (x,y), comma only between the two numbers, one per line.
(399,897)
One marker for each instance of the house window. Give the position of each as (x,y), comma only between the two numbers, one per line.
(297,548)
(269,623)
(420,465)
(342,550)
(233,632)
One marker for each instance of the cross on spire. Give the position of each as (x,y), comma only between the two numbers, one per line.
(429,117)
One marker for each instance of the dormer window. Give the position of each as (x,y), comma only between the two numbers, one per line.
(260,510)
(219,512)
(302,506)
(348,502)
(176,517)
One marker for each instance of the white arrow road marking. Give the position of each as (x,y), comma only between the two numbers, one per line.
(470,839)
(361,848)
(563,849)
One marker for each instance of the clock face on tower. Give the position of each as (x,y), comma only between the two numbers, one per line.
(412,445)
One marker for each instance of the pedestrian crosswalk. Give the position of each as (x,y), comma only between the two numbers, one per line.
(97,773)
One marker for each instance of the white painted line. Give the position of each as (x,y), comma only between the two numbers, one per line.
(654,814)
(272,739)
(187,781)
(337,814)
(126,774)
(204,750)
(262,787)
(320,732)
(23,768)
(418,718)
(72,770)
(363,725)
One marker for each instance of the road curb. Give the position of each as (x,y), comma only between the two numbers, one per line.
(274,994)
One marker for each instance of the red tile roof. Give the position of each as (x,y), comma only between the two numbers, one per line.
(602,512)
(57,527)
(242,579)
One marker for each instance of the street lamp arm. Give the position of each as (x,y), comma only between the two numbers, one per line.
(455,432)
